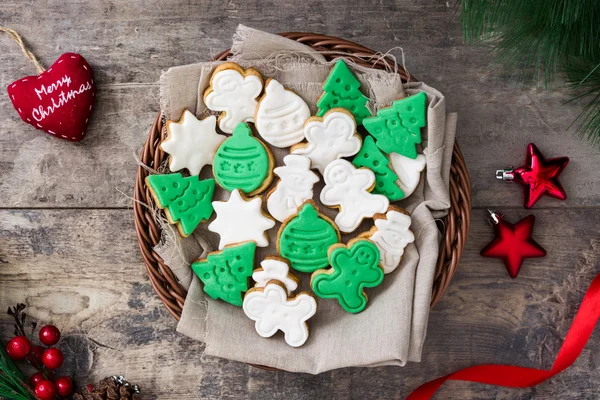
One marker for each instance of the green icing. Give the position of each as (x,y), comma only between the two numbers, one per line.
(398,128)
(187,201)
(352,269)
(225,273)
(371,157)
(241,161)
(305,240)
(341,89)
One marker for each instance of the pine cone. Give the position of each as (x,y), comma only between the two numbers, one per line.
(110,388)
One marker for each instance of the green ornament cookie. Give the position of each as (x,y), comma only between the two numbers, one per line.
(371,157)
(225,273)
(243,162)
(397,128)
(186,201)
(305,237)
(353,268)
(341,89)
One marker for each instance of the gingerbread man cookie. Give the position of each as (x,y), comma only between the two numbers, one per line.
(233,91)
(347,187)
(329,138)
(272,310)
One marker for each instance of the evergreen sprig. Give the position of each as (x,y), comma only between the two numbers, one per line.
(539,38)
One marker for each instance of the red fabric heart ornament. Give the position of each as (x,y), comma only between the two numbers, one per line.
(59,100)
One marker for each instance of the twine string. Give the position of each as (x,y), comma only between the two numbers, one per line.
(19,40)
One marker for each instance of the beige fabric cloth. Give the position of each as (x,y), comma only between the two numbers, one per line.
(392,328)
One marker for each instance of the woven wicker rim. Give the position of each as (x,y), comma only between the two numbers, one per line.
(454,227)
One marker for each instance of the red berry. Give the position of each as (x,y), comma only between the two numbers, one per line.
(52,358)
(36,378)
(36,354)
(45,390)
(65,386)
(18,348)
(90,388)
(49,335)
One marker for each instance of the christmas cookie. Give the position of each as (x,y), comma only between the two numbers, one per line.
(294,188)
(329,138)
(398,128)
(243,162)
(233,91)
(348,188)
(186,201)
(353,268)
(391,234)
(408,171)
(305,237)
(191,143)
(241,219)
(225,274)
(280,115)
(342,89)
(275,268)
(371,157)
(272,310)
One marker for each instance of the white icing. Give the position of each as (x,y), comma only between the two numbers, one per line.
(273,311)
(391,237)
(348,187)
(235,94)
(239,221)
(408,171)
(274,269)
(281,115)
(333,138)
(295,187)
(192,143)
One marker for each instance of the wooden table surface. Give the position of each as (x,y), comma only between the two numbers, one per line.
(67,242)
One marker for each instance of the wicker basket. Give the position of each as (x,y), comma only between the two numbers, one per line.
(454,227)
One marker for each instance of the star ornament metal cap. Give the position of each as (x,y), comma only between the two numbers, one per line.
(539,176)
(513,242)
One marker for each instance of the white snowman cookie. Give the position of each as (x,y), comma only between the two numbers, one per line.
(348,187)
(408,171)
(272,310)
(329,138)
(191,143)
(293,189)
(241,219)
(233,91)
(275,268)
(280,115)
(391,234)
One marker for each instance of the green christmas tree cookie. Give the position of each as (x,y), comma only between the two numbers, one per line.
(353,268)
(341,89)
(371,157)
(243,162)
(225,273)
(186,201)
(304,239)
(398,128)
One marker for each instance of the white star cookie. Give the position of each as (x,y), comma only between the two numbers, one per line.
(408,171)
(329,138)
(273,311)
(240,220)
(191,143)
(233,90)
(275,268)
(348,187)
(391,234)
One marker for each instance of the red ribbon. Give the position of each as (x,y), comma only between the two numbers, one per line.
(520,377)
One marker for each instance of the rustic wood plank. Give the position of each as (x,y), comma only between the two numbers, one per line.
(129,43)
(81,270)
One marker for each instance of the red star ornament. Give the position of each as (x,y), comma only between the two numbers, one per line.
(540,176)
(513,242)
